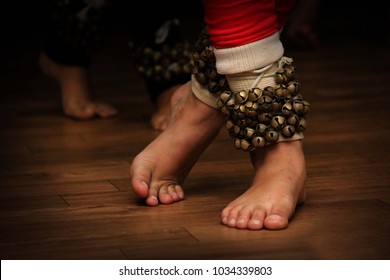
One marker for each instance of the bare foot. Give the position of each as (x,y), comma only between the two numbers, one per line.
(277,188)
(158,172)
(75,90)
(162,109)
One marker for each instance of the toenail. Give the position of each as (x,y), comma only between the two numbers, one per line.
(153,197)
(241,221)
(255,222)
(274,217)
(232,222)
(225,221)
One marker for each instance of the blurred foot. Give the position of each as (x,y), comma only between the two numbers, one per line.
(76,90)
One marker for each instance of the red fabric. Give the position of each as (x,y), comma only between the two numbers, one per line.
(234,23)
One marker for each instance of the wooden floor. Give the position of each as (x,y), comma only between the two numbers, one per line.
(65,190)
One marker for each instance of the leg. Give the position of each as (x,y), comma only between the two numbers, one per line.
(72,31)
(249,65)
(158,172)
(276,190)
(162,109)
(76,92)
(164,62)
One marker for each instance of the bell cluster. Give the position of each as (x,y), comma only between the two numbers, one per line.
(255,117)
(204,66)
(164,63)
(258,117)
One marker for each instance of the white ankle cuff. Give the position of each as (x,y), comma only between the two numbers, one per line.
(249,57)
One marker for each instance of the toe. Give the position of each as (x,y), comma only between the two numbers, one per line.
(79,112)
(105,110)
(243,218)
(165,196)
(140,187)
(275,221)
(170,194)
(140,175)
(179,191)
(256,220)
(232,216)
(152,200)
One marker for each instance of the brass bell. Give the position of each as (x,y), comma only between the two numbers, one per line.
(241,96)
(298,107)
(258,142)
(277,122)
(261,128)
(301,125)
(237,143)
(254,94)
(281,91)
(264,103)
(306,107)
(224,96)
(287,109)
(242,144)
(229,124)
(280,77)
(292,88)
(272,136)
(245,145)
(230,103)
(249,133)
(288,131)
(293,120)
(290,71)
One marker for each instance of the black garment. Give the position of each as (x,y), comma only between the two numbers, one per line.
(77,27)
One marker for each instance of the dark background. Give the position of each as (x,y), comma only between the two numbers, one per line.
(22,23)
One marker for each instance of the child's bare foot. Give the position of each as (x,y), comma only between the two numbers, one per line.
(76,90)
(162,109)
(158,172)
(277,188)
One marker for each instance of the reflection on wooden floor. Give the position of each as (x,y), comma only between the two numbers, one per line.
(65,190)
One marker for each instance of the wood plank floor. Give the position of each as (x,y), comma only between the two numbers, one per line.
(65,190)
